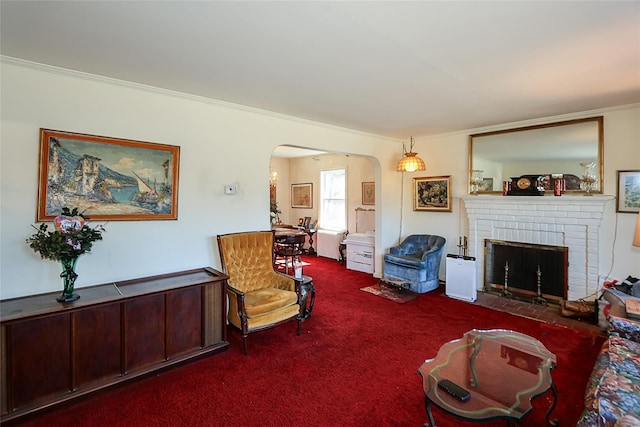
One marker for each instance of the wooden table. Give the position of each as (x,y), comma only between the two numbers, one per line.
(288,244)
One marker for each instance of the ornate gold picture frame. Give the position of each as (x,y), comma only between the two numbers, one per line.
(432,194)
(107,178)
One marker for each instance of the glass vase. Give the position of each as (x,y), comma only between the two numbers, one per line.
(69,277)
(476,180)
(589,179)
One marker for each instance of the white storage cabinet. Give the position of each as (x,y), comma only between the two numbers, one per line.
(360,252)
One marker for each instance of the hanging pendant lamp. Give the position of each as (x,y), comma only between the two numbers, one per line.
(410,162)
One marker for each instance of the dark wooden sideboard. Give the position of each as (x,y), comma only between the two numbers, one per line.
(52,353)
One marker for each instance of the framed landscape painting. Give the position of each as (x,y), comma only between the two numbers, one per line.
(628,191)
(302,195)
(106,178)
(432,194)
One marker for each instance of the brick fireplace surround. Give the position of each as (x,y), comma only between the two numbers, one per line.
(572,221)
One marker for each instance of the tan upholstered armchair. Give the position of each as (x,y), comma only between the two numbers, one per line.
(259,297)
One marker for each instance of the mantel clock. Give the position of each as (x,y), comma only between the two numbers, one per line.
(527,185)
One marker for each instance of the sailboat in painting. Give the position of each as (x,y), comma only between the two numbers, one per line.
(155,197)
(146,196)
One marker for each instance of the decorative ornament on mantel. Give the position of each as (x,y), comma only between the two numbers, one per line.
(589,179)
(71,238)
(476,181)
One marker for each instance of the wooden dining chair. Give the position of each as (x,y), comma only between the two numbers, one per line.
(289,247)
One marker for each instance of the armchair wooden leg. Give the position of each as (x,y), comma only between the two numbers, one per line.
(244,342)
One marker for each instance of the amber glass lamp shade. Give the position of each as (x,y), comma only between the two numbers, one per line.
(411,163)
(636,237)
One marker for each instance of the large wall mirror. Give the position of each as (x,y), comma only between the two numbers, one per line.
(548,149)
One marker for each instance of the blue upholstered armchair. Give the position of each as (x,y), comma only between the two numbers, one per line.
(416,261)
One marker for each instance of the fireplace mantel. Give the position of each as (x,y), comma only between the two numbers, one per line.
(568,220)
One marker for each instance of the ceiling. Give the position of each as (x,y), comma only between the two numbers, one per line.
(389,68)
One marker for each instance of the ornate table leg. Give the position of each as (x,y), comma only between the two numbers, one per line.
(477,344)
(312,290)
(431,422)
(311,250)
(555,421)
(307,296)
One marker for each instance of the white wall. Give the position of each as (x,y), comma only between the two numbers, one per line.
(448,155)
(213,137)
(307,169)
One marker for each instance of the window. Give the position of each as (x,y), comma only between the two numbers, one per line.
(333,199)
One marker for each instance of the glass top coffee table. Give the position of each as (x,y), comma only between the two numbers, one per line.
(501,370)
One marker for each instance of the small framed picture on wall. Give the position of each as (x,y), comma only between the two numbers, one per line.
(302,195)
(368,193)
(628,191)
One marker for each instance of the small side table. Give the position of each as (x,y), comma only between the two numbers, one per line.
(306,289)
(310,232)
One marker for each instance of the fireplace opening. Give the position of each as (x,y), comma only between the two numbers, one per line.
(526,271)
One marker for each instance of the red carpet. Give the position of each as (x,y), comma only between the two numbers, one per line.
(355,364)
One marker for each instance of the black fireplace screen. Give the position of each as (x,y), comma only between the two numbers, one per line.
(523,266)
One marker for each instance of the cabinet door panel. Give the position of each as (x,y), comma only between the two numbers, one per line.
(96,344)
(52,353)
(39,359)
(184,321)
(215,314)
(144,331)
